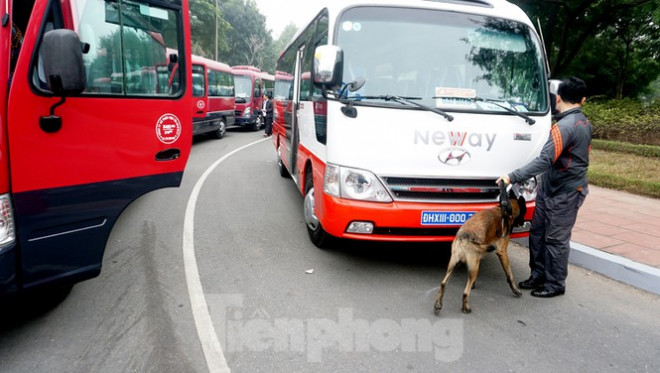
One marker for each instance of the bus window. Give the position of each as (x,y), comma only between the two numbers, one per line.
(198,81)
(128,46)
(221,84)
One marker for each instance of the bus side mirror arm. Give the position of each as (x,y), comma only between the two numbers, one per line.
(61,53)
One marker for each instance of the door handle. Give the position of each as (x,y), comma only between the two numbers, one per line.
(168,155)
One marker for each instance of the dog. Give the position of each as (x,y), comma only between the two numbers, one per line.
(485,231)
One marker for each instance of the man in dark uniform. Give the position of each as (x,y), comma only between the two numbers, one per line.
(267,112)
(563,163)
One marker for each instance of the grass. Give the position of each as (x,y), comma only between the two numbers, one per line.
(624,170)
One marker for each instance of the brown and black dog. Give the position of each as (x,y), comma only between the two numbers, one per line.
(487,230)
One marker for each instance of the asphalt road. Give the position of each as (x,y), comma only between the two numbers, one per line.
(220,275)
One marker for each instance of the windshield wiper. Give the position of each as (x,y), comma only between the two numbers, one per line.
(409,100)
(526,117)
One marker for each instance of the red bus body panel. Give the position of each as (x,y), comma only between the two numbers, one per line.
(207,110)
(68,187)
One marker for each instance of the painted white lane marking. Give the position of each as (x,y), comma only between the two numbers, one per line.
(215,358)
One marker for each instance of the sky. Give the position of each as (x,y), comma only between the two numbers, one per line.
(279,13)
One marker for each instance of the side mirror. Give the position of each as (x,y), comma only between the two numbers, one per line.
(328,65)
(61,54)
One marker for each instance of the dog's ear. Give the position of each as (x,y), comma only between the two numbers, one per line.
(512,195)
(522,210)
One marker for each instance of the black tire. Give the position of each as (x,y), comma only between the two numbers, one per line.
(281,167)
(220,132)
(258,123)
(319,237)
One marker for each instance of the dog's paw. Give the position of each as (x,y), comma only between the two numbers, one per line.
(466,309)
(436,308)
(517,293)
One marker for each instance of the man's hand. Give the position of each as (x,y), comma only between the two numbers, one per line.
(503,179)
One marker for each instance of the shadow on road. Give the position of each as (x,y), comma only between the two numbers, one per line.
(433,255)
(23,308)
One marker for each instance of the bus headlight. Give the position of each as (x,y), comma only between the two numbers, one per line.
(355,184)
(526,189)
(247,112)
(7,231)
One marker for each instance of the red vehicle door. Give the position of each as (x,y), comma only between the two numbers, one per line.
(118,139)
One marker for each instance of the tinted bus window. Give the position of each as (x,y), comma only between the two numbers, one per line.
(221,84)
(448,55)
(130,48)
(243,88)
(198,80)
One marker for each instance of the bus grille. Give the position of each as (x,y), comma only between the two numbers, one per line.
(442,190)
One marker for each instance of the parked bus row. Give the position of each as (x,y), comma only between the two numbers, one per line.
(225,96)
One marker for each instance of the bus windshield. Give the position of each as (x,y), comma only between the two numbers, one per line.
(242,87)
(447,60)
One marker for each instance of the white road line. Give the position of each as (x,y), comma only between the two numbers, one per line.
(215,358)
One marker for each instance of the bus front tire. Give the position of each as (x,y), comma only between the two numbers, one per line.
(258,123)
(319,237)
(281,167)
(220,132)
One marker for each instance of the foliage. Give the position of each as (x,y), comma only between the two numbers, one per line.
(248,41)
(625,120)
(650,151)
(612,44)
(625,53)
(204,17)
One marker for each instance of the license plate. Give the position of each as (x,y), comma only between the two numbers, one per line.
(445,217)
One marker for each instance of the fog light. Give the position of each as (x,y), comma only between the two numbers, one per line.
(523,228)
(363,227)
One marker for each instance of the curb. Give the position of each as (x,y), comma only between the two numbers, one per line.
(615,267)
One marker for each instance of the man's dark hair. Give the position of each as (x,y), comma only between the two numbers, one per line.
(572,90)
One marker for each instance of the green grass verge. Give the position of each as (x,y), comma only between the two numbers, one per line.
(625,147)
(638,174)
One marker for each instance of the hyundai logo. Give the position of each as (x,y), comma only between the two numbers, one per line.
(454,156)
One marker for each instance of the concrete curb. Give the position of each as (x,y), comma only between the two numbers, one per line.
(621,269)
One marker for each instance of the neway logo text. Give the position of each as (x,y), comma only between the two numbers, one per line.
(476,140)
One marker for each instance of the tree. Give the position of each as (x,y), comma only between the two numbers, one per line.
(576,31)
(205,14)
(248,40)
(278,46)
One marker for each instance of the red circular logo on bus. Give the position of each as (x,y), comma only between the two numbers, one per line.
(168,128)
(200,104)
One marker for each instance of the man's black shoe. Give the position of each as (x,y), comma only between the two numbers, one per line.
(530,283)
(544,293)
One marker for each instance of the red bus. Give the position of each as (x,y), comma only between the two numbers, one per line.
(84,131)
(250,85)
(213,96)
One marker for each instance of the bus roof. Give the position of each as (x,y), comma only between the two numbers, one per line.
(215,65)
(252,71)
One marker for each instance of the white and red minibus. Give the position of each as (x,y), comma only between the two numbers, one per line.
(395,118)
(213,96)
(85,127)
(250,85)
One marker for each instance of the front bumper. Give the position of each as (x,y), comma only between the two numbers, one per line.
(396,221)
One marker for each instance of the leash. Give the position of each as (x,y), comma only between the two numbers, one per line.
(505,206)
